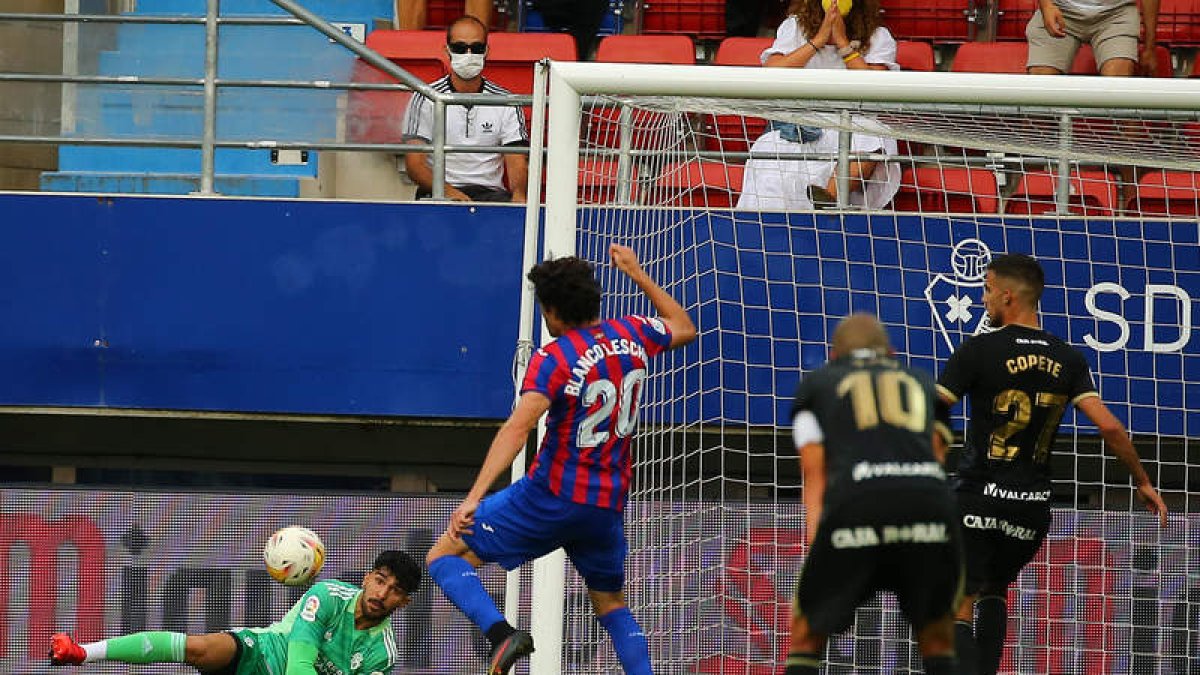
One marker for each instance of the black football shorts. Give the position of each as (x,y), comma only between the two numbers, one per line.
(904,541)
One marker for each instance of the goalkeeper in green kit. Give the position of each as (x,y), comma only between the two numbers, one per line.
(336,628)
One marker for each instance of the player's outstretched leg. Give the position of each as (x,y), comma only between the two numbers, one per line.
(453,568)
(629,641)
(148,647)
(990,630)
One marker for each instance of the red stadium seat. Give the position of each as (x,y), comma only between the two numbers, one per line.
(646,49)
(701,184)
(511,57)
(420,52)
(916,56)
(651,129)
(990,57)
(947,190)
(734,133)
(598,182)
(701,19)
(1093,193)
(377,116)
(1013,17)
(937,20)
(1179,23)
(1169,193)
(741,51)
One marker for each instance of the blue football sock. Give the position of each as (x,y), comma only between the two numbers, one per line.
(628,641)
(460,582)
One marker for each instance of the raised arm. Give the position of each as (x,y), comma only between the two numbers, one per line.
(669,310)
(1117,439)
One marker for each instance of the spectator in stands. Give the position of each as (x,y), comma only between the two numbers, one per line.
(1058,27)
(842,34)
(412,14)
(743,18)
(580,18)
(469,176)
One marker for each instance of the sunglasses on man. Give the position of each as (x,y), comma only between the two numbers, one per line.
(464,47)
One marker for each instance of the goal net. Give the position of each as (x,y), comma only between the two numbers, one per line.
(1095,179)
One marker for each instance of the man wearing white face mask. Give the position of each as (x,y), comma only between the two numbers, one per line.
(469,176)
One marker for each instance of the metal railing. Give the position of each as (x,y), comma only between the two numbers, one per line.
(212,86)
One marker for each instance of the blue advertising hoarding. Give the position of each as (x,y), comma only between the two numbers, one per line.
(411,309)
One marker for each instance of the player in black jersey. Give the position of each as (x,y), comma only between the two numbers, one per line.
(872,435)
(1020,379)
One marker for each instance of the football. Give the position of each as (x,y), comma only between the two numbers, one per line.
(294,555)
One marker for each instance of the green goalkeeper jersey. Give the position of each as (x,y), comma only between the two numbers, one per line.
(324,618)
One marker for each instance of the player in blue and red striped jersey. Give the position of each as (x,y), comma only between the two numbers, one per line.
(589,380)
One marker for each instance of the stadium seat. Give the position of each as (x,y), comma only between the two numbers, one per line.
(1168,193)
(933,189)
(734,133)
(652,130)
(511,57)
(598,182)
(1093,193)
(420,52)
(1013,16)
(916,56)
(700,184)
(741,51)
(990,57)
(937,20)
(701,19)
(646,49)
(377,116)
(1179,23)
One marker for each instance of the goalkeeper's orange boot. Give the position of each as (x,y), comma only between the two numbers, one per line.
(64,651)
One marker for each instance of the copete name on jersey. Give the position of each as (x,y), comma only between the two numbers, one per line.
(594,354)
(1025,362)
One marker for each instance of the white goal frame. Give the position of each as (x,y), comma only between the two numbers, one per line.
(570,82)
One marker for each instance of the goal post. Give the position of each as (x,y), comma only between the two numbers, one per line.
(655,156)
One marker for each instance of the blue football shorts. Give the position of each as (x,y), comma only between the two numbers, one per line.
(525,521)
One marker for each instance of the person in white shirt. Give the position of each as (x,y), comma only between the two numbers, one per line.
(843,34)
(1059,27)
(469,176)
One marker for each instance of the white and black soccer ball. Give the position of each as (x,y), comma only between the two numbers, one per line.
(294,555)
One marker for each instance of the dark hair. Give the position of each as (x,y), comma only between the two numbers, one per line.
(1023,269)
(402,566)
(569,287)
(861,22)
(461,19)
